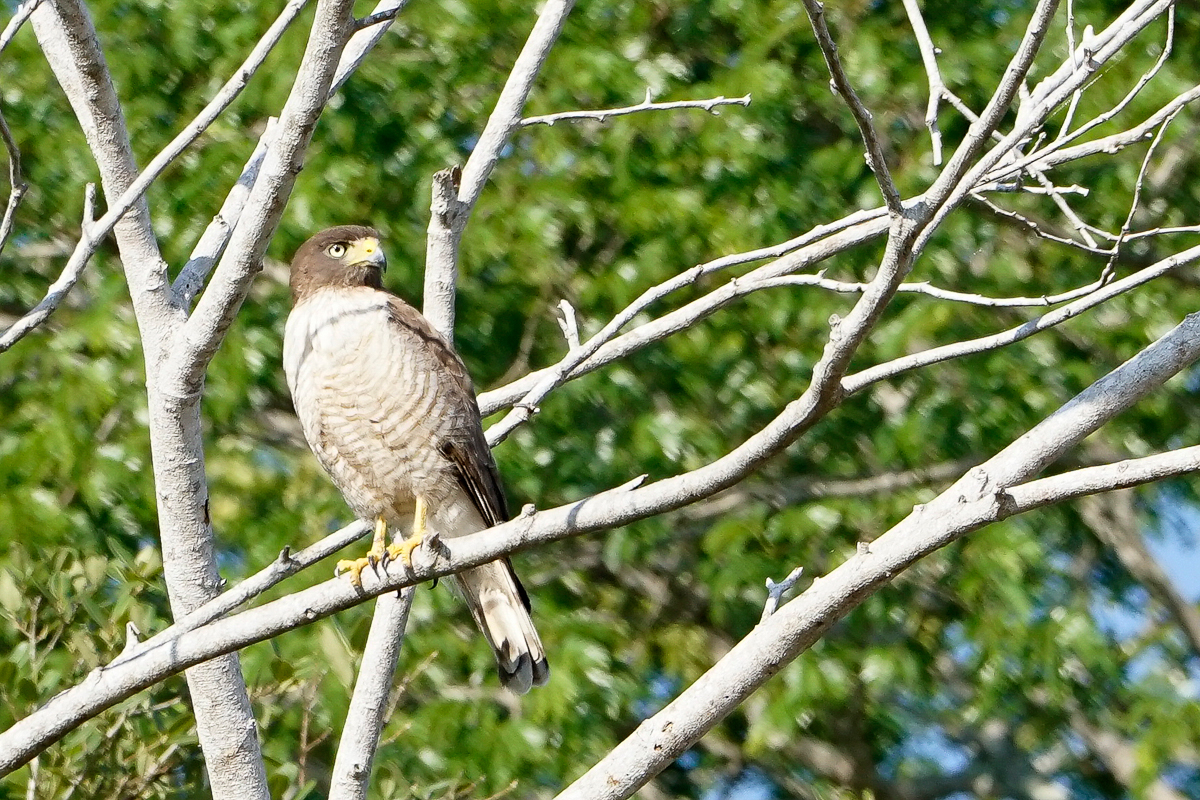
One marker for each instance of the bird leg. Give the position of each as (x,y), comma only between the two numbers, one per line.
(403,550)
(378,552)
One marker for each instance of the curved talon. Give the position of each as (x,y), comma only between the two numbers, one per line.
(378,554)
(354,567)
(404,550)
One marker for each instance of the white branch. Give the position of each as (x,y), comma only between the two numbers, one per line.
(369,704)
(451,214)
(18,19)
(17,186)
(193,273)
(224,719)
(859,380)
(970,503)
(974,501)
(197,342)
(603,115)
(937,88)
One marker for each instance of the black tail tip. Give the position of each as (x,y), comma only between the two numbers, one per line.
(525,674)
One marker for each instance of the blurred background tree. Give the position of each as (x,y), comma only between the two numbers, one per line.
(1033,660)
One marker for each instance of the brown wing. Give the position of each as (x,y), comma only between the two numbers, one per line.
(464,444)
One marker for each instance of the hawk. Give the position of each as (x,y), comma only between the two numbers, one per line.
(389,411)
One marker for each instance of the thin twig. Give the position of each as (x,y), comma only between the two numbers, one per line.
(17,186)
(709,105)
(66,280)
(1110,268)
(1068,212)
(937,88)
(18,19)
(859,380)
(1035,228)
(776,591)
(862,117)
(365,37)
(925,288)
(1106,145)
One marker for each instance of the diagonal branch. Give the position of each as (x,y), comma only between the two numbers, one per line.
(603,115)
(216,236)
(979,498)
(859,380)
(18,19)
(446,228)
(132,196)
(17,186)
(201,335)
(862,117)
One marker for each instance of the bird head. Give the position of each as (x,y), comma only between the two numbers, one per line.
(348,255)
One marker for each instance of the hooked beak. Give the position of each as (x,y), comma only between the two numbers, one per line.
(367,252)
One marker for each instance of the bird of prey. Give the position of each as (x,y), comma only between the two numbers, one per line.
(390,413)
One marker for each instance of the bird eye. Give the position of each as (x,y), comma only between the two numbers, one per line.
(337,250)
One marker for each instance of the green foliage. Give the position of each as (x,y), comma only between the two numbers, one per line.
(1000,630)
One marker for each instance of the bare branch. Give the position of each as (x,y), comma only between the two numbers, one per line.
(957,178)
(976,500)
(709,105)
(212,242)
(925,288)
(862,117)
(369,705)
(937,89)
(1065,135)
(972,502)
(224,719)
(286,565)
(776,591)
(803,251)
(1035,228)
(367,33)
(441,251)
(193,273)
(18,19)
(242,259)
(62,286)
(1106,478)
(569,324)
(387,13)
(859,380)
(446,229)
(1122,30)
(1110,267)
(17,186)
(216,236)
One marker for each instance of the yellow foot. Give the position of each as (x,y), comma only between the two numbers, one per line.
(403,550)
(377,554)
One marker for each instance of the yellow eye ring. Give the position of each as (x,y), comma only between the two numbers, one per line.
(337,250)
